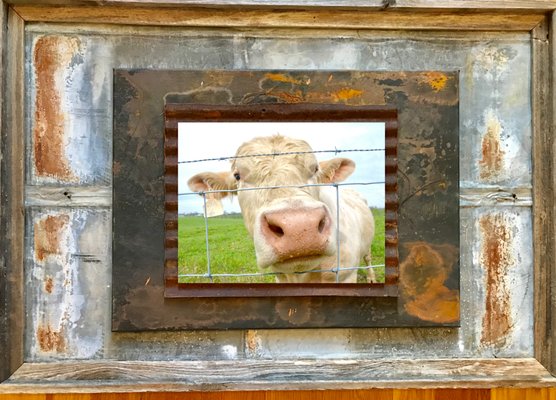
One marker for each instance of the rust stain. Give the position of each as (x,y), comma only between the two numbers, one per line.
(50,340)
(51,55)
(423,274)
(346,94)
(436,80)
(48,234)
(492,160)
(496,259)
(296,97)
(49,285)
(294,313)
(283,78)
(252,341)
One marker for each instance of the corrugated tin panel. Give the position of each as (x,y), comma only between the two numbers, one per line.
(70,142)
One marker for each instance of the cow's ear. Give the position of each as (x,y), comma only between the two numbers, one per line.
(335,170)
(206,181)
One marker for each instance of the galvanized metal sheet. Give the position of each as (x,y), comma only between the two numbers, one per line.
(68,282)
(485,83)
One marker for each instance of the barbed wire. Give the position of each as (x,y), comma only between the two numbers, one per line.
(288,153)
(336,270)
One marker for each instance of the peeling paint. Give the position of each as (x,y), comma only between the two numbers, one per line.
(50,340)
(423,274)
(496,259)
(48,234)
(492,61)
(492,161)
(51,55)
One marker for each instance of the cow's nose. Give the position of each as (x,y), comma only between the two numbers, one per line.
(296,233)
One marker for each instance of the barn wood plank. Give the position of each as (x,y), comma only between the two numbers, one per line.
(525,5)
(543,195)
(121,376)
(499,196)
(4,330)
(278,18)
(11,201)
(68,196)
(551,262)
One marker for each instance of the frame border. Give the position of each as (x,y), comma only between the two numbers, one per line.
(302,112)
(529,14)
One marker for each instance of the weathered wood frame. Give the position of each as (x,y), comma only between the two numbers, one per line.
(535,16)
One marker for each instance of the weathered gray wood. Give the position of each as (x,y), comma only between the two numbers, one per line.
(551,287)
(68,196)
(475,197)
(84,376)
(543,195)
(278,18)
(12,220)
(4,373)
(367,4)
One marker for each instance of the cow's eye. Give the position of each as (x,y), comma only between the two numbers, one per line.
(316,169)
(237,176)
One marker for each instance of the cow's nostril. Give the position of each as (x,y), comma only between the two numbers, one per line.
(276,230)
(322,225)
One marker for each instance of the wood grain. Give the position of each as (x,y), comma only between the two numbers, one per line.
(4,358)
(249,375)
(543,195)
(68,196)
(376,394)
(11,203)
(549,291)
(279,18)
(362,4)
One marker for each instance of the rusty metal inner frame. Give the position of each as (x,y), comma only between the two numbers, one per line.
(427,186)
(176,113)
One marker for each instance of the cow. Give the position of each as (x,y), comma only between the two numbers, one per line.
(294,227)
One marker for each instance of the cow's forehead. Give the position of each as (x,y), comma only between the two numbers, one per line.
(295,149)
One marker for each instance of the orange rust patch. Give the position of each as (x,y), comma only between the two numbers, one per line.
(253,341)
(48,234)
(50,340)
(493,156)
(51,55)
(283,78)
(347,94)
(496,259)
(436,80)
(422,276)
(49,285)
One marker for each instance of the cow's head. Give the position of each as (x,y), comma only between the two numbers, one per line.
(293,227)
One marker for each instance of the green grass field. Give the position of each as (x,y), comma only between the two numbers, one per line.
(232,250)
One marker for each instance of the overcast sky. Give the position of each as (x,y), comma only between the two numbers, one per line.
(200,140)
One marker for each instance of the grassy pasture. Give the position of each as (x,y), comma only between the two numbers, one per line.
(232,250)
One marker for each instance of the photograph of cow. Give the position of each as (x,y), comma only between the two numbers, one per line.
(301,225)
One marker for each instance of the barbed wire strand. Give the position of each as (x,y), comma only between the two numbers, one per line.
(288,153)
(336,185)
